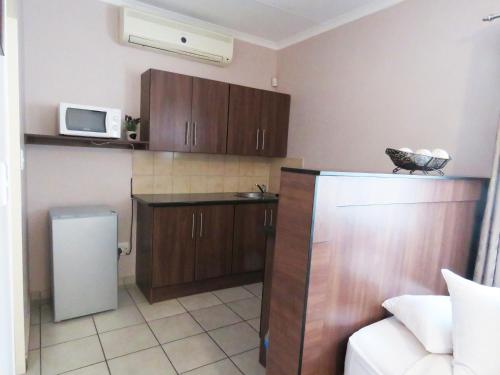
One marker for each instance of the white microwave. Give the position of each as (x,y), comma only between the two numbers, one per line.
(89,121)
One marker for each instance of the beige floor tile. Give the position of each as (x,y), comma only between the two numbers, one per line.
(232,294)
(146,362)
(127,340)
(123,317)
(215,317)
(56,333)
(224,367)
(71,355)
(160,310)
(34,342)
(33,362)
(248,362)
(235,339)
(97,369)
(175,327)
(124,298)
(199,301)
(46,315)
(246,308)
(35,313)
(255,289)
(136,294)
(193,352)
(255,323)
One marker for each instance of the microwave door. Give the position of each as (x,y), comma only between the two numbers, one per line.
(85,121)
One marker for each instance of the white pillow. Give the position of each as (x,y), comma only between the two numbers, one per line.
(429,318)
(476,326)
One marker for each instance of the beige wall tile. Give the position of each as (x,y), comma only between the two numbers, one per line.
(163,184)
(182,165)
(215,184)
(231,184)
(215,165)
(163,163)
(198,184)
(246,167)
(274,184)
(246,184)
(261,167)
(142,185)
(181,184)
(232,165)
(142,163)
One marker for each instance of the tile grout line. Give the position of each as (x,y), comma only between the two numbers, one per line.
(102,347)
(152,332)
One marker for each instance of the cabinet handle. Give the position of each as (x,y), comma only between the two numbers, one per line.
(265,217)
(194,133)
(192,228)
(186,141)
(263,139)
(271,219)
(201,224)
(257,143)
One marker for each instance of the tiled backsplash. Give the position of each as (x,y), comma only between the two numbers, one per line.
(173,172)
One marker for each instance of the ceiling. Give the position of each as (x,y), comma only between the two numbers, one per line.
(272,23)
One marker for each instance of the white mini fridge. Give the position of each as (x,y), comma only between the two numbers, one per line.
(84,247)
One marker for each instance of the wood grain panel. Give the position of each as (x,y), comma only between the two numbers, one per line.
(173,245)
(244,120)
(249,247)
(372,238)
(144,248)
(290,270)
(209,116)
(169,111)
(275,114)
(214,241)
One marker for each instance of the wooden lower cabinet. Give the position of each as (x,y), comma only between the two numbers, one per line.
(173,245)
(250,222)
(183,250)
(214,241)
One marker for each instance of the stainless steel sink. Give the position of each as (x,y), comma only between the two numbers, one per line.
(255,195)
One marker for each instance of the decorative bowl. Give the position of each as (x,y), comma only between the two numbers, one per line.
(416,162)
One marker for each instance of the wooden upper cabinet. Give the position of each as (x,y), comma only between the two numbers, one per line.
(166,110)
(214,241)
(209,116)
(189,114)
(244,135)
(258,122)
(173,245)
(275,112)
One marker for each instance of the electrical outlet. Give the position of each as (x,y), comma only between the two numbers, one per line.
(124,246)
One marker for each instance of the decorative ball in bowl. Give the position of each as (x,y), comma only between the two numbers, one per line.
(421,160)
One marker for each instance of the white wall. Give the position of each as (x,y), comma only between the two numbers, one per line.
(421,74)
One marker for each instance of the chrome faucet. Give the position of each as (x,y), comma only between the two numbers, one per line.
(262,188)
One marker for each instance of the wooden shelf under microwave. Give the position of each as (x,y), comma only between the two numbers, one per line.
(64,140)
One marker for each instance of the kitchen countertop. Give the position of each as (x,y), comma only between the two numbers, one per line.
(165,200)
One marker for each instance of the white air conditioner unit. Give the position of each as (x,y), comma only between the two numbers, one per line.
(161,34)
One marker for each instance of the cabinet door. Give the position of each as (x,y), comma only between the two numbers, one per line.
(244,133)
(173,245)
(274,123)
(249,237)
(209,116)
(169,111)
(214,240)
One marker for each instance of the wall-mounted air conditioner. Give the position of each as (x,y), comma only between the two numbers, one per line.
(161,34)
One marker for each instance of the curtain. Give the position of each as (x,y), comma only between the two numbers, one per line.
(487,270)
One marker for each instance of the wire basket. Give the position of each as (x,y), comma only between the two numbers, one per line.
(416,162)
